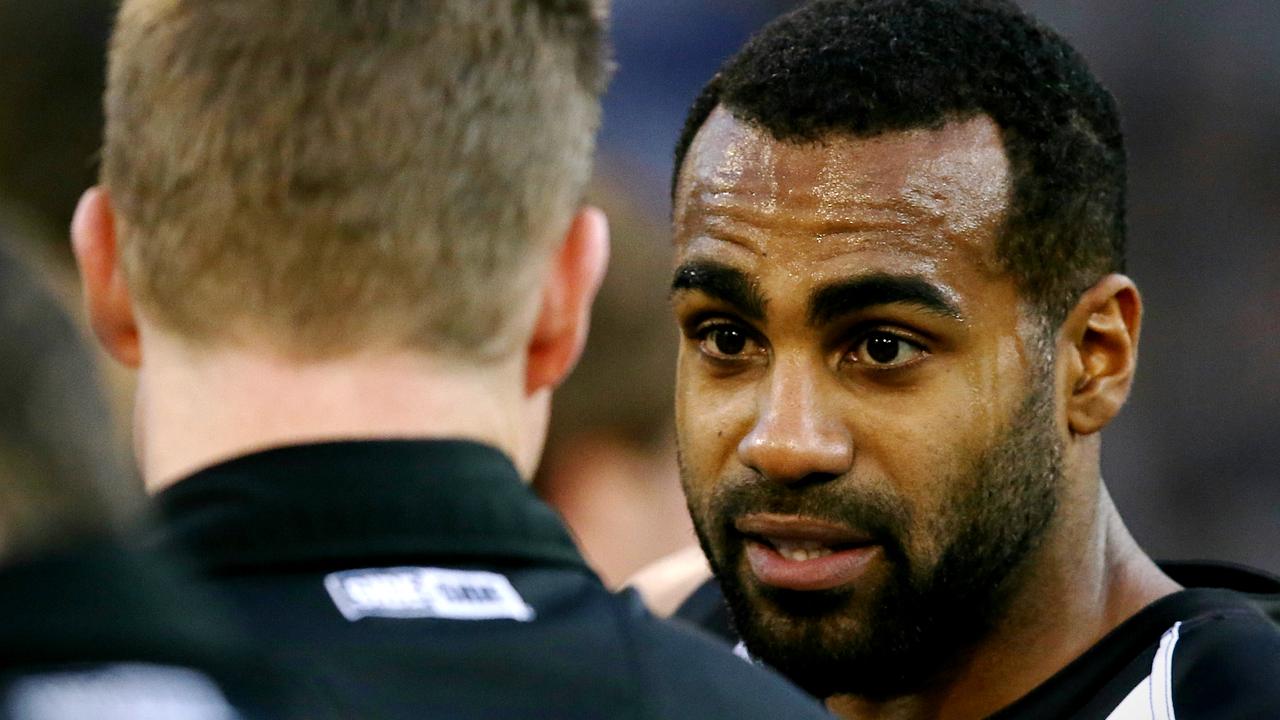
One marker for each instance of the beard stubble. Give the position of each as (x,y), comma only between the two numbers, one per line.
(900,637)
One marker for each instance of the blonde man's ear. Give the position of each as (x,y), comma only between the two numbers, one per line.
(577,269)
(106,294)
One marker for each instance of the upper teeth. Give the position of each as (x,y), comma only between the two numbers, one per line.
(801,550)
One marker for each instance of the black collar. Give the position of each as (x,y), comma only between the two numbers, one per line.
(342,503)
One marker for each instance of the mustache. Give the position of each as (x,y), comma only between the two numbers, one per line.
(879,514)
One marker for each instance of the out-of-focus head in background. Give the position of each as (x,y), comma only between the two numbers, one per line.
(610,463)
(60,480)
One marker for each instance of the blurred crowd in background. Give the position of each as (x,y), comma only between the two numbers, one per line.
(1192,461)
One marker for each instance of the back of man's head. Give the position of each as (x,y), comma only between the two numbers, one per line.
(57,462)
(326,176)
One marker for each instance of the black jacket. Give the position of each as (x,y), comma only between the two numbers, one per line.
(101,634)
(415,579)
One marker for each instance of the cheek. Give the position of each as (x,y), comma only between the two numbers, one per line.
(993,383)
(712,416)
(933,428)
(921,445)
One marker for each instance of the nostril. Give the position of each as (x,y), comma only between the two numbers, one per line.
(809,459)
(815,478)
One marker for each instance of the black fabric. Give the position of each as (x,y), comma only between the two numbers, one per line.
(97,607)
(1227,667)
(1227,650)
(1226,663)
(707,609)
(267,529)
(1259,588)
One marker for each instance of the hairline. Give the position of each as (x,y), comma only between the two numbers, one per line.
(1002,232)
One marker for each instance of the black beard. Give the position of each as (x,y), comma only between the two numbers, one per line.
(925,615)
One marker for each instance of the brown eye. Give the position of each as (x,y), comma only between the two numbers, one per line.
(725,341)
(728,340)
(885,350)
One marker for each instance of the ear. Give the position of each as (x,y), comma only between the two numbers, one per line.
(106,296)
(576,271)
(1101,334)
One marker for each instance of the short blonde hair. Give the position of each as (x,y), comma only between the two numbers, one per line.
(327,176)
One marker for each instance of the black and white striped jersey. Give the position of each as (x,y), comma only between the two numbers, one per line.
(1211,651)
(1198,654)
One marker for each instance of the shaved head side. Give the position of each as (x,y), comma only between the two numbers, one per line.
(318,176)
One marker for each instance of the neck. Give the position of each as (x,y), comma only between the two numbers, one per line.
(1088,578)
(200,407)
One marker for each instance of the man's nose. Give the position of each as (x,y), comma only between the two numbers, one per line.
(796,436)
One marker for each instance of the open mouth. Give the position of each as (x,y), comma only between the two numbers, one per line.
(803,550)
(800,553)
(798,537)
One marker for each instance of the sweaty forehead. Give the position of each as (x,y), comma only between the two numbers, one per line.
(943,188)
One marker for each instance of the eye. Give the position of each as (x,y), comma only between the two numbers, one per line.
(883,350)
(726,341)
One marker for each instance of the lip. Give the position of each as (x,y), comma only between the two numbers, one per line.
(800,529)
(853,552)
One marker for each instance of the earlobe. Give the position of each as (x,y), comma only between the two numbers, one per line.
(576,271)
(1102,332)
(106,295)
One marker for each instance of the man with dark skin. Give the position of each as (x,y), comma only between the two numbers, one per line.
(899,253)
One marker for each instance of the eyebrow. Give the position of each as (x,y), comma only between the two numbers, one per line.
(722,282)
(849,296)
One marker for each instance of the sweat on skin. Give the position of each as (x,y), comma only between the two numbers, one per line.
(871,419)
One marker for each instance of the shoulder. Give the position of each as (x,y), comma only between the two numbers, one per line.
(1199,654)
(1221,662)
(115,690)
(1224,664)
(144,643)
(695,675)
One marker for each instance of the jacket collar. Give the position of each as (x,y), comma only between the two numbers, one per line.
(339,503)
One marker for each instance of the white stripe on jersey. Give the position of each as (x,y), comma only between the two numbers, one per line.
(1152,699)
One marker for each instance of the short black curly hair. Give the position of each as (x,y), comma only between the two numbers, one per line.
(865,67)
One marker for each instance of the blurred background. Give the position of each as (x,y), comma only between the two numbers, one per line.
(1194,460)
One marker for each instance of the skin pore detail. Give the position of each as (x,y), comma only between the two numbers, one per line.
(872,427)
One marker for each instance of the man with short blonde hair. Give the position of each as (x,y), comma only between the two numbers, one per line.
(322,176)
(341,241)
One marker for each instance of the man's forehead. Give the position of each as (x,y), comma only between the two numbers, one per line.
(955,177)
